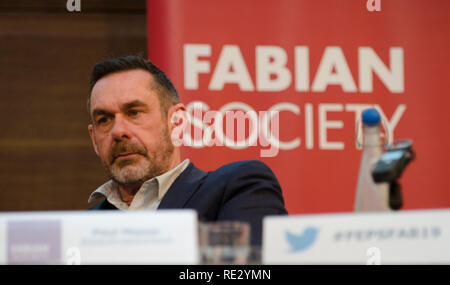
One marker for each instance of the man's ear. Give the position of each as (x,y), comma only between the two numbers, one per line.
(177,121)
(176,116)
(91,134)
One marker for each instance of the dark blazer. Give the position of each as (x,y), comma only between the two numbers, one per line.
(245,191)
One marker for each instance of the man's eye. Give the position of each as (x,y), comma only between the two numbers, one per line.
(133,113)
(102,121)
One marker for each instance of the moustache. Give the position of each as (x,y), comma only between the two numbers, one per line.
(125,147)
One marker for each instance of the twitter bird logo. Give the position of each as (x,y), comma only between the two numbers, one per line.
(302,241)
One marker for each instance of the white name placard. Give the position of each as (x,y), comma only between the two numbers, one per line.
(405,237)
(99,237)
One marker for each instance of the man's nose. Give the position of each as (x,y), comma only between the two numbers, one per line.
(120,130)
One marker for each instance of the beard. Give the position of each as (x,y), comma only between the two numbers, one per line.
(148,163)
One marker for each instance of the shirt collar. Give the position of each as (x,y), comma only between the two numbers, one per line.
(165,180)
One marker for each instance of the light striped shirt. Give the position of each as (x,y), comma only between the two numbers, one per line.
(147,197)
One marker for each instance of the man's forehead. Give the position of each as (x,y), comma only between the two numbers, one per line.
(123,87)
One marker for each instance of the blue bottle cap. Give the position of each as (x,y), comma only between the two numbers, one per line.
(371,117)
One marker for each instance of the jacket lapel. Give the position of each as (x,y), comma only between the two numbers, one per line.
(183,188)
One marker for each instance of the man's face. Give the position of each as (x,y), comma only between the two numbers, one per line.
(129,133)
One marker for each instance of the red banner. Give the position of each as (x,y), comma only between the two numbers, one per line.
(318,64)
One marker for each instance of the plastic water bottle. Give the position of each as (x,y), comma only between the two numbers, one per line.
(371,196)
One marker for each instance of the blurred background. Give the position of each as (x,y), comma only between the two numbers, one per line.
(47,53)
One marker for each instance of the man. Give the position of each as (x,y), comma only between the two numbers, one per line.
(135,112)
